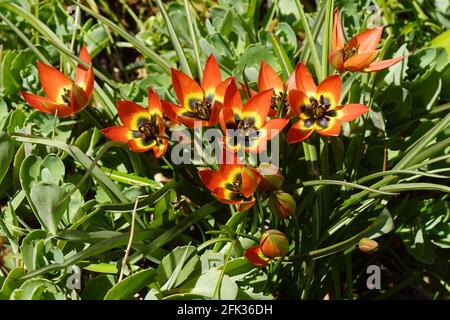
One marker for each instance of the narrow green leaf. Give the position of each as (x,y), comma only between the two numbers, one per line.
(175,41)
(282,56)
(131,285)
(6,153)
(140,46)
(176,230)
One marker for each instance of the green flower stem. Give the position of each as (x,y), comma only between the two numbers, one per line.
(310,157)
(326,37)
(310,39)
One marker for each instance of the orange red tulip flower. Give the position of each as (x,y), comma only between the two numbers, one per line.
(247,123)
(268,79)
(360,53)
(233,184)
(318,107)
(143,128)
(197,103)
(64,97)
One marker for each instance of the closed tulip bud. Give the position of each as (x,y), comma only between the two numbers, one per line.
(282,203)
(367,245)
(271,177)
(274,243)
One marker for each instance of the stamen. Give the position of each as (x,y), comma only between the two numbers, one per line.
(202,108)
(66,95)
(318,110)
(350,51)
(147,129)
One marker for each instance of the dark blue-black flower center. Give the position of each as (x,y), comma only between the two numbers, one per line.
(201,109)
(278,101)
(318,111)
(148,130)
(236,189)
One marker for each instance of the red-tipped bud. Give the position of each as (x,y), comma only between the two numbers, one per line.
(282,203)
(367,245)
(271,177)
(274,243)
(255,256)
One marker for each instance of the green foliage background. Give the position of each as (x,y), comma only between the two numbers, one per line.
(59,208)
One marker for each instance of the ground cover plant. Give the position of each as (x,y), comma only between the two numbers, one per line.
(229,149)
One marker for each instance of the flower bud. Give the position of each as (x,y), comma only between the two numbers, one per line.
(274,243)
(255,256)
(271,177)
(367,245)
(282,203)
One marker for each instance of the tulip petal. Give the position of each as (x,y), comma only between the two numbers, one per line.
(160,148)
(350,111)
(84,77)
(359,62)
(211,77)
(131,113)
(255,256)
(171,111)
(333,127)
(221,88)
(297,99)
(211,179)
(53,82)
(227,119)
(273,127)
(215,112)
(338,35)
(78,99)
(226,196)
(330,88)
(299,132)
(117,133)
(250,180)
(231,174)
(336,59)
(46,105)
(154,103)
(186,89)
(141,144)
(291,83)
(245,205)
(232,99)
(258,107)
(382,64)
(366,40)
(269,79)
(304,80)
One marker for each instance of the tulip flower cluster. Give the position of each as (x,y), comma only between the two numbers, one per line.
(258,116)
